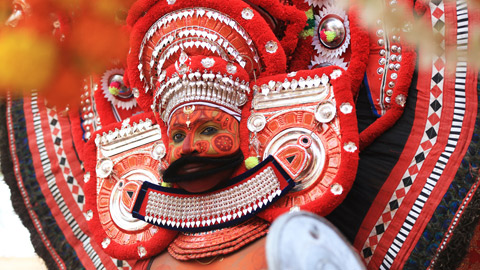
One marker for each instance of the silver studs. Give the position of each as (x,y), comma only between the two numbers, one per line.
(389,92)
(399,58)
(171,2)
(380,33)
(325,112)
(207,62)
(397,67)
(86,177)
(89,215)
(381,42)
(105,242)
(271,46)
(394,48)
(335,74)
(247,14)
(382,52)
(350,147)
(380,71)
(104,167)
(142,252)
(231,68)
(158,150)
(401,100)
(391,84)
(336,189)
(135,92)
(241,99)
(388,100)
(382,61)
(393,57)
(394,76)
(256,122)
(391,66)
(346,108)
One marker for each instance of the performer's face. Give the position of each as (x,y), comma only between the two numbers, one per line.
(204,144)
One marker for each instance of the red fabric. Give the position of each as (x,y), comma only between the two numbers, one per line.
(472,259)
(359,47)
(302,56)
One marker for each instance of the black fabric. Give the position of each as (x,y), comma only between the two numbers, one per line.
(375,164)
(51,229)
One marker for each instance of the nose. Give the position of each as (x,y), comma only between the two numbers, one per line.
(188,146)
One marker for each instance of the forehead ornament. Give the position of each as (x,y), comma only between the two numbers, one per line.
(187,110)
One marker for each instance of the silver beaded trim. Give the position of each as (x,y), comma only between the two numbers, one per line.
(127,137)
(202,211)
(216,88)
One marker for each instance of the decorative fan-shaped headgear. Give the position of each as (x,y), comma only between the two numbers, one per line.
(178,51)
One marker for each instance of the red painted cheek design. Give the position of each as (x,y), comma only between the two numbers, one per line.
(202,146)
(223,143)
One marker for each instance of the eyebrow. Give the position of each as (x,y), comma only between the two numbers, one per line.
(200,121)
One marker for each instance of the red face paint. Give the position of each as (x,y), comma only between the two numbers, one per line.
(205,131)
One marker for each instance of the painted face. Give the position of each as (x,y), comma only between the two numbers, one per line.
(204,147)
(202,131)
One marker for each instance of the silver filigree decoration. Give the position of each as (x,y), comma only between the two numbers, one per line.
(208,62)
(401,100)
(335,74)
(231,68)
(325,112)
(89,215)
(350,147)
(142,252)
(104,168)
(346,108)
(271,46)
(86,177)
(256,122)
(292,74)
(247,13)
(105,242)
(135,92)
(336,189)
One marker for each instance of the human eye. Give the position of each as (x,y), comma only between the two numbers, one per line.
(178,137)
(209,131)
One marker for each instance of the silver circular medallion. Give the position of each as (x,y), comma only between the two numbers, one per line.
(104,168)
(331,32)
(158,150)
(271,46)
(256,122)
(325,112)
(247,14)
